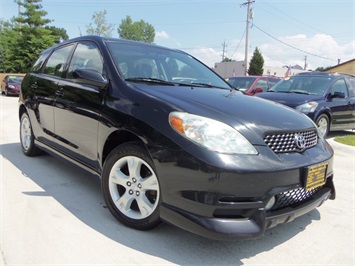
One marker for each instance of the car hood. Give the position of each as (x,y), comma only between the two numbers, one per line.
(290,99)
(251,116)
(15,84)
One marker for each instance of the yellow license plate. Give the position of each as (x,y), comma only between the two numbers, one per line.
(316,176)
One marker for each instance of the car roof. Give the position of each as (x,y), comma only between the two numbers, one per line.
(324,74)
(101,39)
(255,76)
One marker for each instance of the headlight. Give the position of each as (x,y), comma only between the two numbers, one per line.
(307,107)
(11,87)
(211,134)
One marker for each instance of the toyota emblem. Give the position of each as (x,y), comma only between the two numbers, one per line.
(300,141)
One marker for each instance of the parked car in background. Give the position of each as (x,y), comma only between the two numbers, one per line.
(11,84)
(253,84)
(328,99)
(171,140)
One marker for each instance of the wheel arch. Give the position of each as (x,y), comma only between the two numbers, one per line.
(22,109)
(117,138)
(326,112)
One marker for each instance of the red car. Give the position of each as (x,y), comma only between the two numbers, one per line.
(11,84)
(253,84)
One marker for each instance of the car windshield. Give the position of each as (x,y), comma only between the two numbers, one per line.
(241,83)
(15,79)
(156,65)
(303,85)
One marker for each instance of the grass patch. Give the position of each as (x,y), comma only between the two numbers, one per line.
(347,140)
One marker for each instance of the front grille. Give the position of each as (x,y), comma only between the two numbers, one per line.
(291,141)
(293,198)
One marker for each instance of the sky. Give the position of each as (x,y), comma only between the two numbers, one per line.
(318,33)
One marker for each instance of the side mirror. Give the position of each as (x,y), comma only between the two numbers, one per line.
(338,94)
(258,90)
(90,77)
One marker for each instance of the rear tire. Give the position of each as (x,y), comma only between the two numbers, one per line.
(131,187)
(26,137)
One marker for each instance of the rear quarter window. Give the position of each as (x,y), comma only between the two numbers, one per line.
(39,62)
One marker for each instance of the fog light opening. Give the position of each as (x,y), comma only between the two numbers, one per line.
(270,203)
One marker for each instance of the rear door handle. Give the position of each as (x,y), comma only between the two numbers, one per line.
(34,86)
(60,92)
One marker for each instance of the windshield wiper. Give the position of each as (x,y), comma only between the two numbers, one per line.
(157,81)
(295,91)
(200,84)
(165,82)
(151,80)
(300,92)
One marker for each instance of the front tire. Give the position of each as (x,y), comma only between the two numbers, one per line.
(131,187)
(323,124)
(26,137)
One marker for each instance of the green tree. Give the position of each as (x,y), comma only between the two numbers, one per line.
(7,39)
(320,69)
(59,33)
(24,37)
(137,31)
(100,26)
(256,66)
(226,59)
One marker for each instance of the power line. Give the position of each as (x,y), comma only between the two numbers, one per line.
(287,16)
(303,51)
(239,43)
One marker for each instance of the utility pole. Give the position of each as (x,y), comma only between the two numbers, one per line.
(224,50)
(305,63)
(247,35)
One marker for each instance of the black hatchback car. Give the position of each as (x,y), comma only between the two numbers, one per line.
(171,140)
(327,98)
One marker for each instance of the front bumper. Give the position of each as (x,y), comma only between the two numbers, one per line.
(243,228)
(11,91)
(232,204)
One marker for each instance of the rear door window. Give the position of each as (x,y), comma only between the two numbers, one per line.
(56,62)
